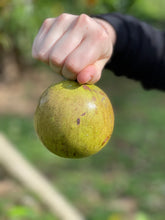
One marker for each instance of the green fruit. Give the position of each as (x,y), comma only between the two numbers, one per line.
(74,120)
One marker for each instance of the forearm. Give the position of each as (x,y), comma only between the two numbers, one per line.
(139,51)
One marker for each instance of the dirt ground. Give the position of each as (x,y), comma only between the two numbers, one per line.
(20,96)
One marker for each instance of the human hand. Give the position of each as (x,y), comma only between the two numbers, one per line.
(78,47)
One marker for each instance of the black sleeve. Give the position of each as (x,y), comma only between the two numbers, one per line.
(139,52)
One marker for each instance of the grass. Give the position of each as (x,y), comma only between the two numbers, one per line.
(130,166)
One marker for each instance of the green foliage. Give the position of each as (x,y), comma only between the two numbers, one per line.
(149,9)
(21,212)
(118,5)
(141,216)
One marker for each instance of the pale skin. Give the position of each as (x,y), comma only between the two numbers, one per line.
(75,46)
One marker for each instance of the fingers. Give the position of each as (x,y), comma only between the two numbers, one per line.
(75,46)
(50,32)
(88,52)
(41,35)
(88,59)
(64,48)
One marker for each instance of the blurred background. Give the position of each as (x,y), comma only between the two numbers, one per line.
(126,180)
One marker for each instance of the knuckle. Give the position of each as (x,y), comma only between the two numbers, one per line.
(83,23)
(46,22)
(83,19)
(62,17)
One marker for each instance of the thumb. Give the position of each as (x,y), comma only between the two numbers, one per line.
(92,73)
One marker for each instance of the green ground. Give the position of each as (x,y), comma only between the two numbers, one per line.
(130,169)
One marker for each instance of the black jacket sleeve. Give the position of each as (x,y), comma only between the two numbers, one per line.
(139,52)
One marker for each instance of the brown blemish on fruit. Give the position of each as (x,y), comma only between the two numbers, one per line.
(94,98)
(102,93)
(106,139)
(83,114)
(78,121)
(86,87)
(103,99)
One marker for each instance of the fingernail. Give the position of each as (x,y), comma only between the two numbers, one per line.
(89,79)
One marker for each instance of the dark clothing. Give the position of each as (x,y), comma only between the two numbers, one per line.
(139,52)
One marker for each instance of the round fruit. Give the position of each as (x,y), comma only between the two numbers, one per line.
(74,120)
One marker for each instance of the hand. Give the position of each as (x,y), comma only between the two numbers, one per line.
(77,47)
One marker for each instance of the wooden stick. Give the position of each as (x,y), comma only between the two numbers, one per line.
(30,177)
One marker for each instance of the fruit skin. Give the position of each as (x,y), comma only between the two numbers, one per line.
(74,120)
